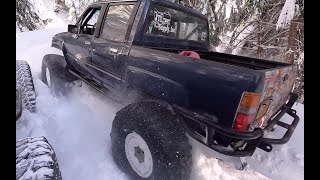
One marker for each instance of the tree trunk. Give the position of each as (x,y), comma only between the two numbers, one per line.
(259,40)
(293,36)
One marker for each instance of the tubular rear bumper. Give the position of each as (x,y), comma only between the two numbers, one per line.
(254,138)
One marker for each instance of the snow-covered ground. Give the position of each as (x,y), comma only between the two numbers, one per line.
(78,128)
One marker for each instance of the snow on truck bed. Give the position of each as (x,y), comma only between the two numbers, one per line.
(78,128)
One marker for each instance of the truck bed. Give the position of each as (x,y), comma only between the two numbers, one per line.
(241,61)
(278,78)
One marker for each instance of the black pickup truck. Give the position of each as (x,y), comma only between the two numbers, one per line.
(154,55)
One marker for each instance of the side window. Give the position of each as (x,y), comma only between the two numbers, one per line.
(94,18)
(88,23)
(116,22)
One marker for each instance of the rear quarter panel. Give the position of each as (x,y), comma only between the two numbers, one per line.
(278,84)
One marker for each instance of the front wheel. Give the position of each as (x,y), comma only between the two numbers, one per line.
(148,142)
(54,74)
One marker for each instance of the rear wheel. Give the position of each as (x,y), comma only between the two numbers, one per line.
(138,154)
(148,142)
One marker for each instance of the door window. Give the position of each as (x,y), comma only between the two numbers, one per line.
(116,22)
(89,21)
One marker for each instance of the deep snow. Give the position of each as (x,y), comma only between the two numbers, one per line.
(78,128)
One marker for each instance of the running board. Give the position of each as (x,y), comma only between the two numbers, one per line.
(90,82)
(98,87)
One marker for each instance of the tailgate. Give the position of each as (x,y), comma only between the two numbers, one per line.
(278,84)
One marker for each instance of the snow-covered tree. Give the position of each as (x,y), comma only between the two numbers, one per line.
(76,7)
(292,15)
(27,17)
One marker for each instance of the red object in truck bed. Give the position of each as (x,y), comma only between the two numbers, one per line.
(190,54)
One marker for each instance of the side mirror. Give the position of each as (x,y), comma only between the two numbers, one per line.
(72,28)
(18,104)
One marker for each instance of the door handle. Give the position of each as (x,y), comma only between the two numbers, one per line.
(113,51)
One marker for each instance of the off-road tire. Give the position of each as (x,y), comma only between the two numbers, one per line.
(36,159)
(59,76)
(164,136)
(24,81)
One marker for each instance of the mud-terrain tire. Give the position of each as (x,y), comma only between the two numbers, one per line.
(24,82)
(36,159)
(55,75)
(148,142)
(18,104)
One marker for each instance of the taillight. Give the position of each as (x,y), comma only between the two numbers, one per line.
(247,111)
(243,121)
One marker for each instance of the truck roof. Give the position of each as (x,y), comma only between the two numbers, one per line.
(179,6)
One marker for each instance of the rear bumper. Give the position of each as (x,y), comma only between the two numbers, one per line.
(253,139)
